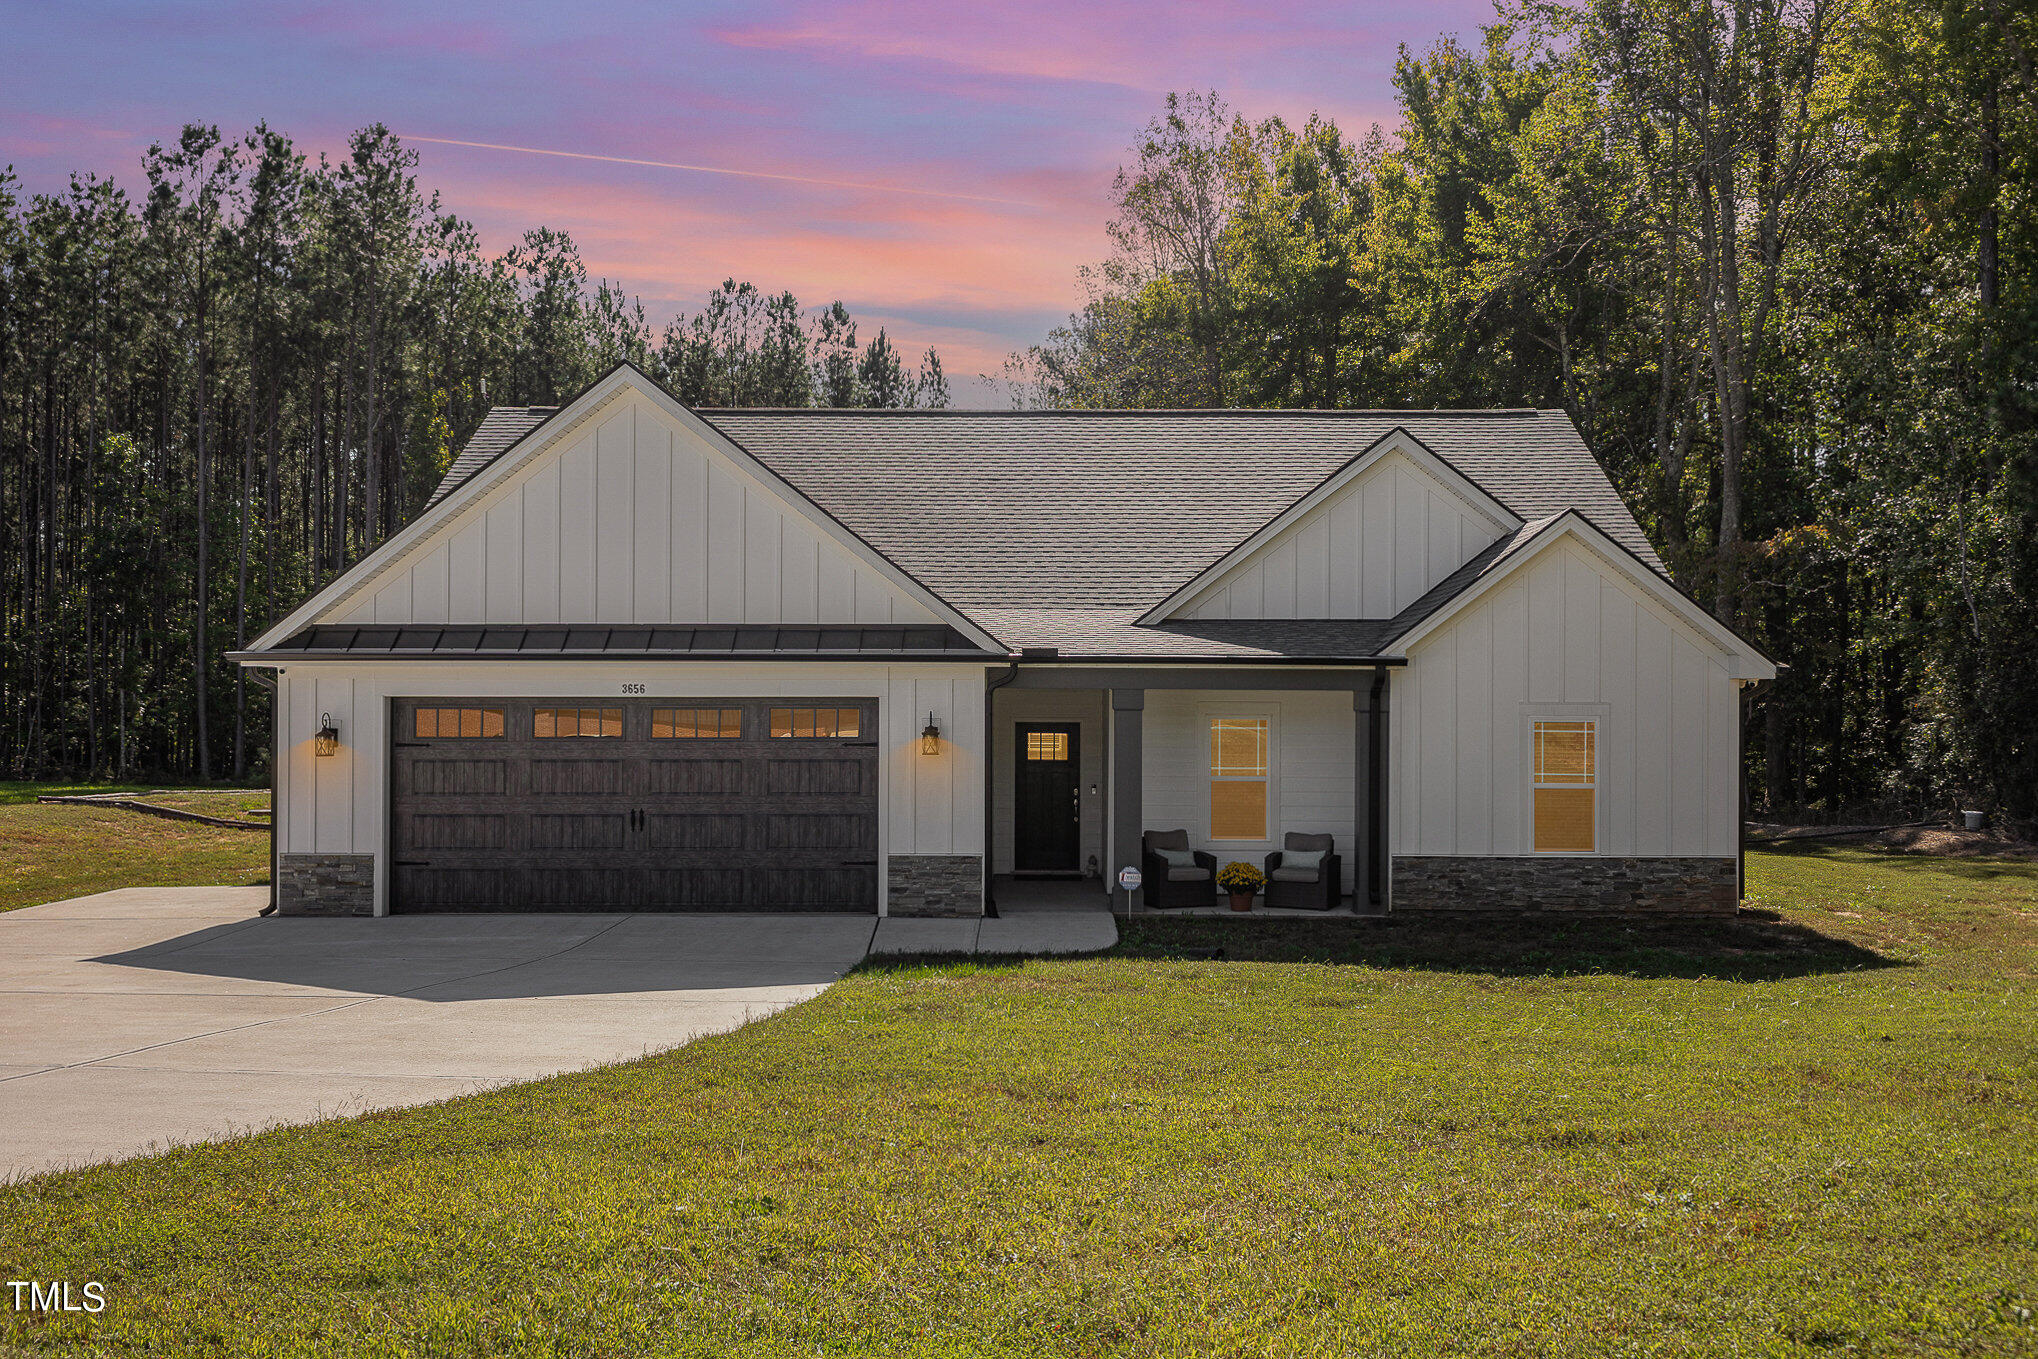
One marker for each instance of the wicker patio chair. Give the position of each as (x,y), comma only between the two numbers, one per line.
(1305,889)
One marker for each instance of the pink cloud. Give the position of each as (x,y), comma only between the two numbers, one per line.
(946,258)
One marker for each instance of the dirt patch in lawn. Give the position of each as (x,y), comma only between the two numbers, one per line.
(1937,838)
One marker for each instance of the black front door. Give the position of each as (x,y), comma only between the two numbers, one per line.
(1047,806)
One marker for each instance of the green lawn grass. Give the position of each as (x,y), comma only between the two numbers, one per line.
(1812,1134)
(50,852)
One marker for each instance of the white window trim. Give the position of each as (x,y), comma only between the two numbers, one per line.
(1271,714)
(1600,715)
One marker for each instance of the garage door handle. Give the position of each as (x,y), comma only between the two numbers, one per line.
(857,863)
(857,743)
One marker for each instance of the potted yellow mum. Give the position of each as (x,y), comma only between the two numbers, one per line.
(1242,881)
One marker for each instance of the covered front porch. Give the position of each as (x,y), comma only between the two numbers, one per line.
(1087,759)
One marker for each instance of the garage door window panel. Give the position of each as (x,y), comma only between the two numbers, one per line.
(549,723)
(466,724)
(815,723)
(696,724)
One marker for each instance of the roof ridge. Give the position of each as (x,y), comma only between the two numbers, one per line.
(1284,412)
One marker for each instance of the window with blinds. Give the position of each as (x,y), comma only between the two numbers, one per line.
(1566,786)
(1238,778)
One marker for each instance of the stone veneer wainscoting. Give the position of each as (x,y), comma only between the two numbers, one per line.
(935,884)
(325,884)
(1684,886)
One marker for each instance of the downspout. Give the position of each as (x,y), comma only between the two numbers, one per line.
(991,688)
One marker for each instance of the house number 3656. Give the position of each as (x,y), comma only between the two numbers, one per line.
(633,688)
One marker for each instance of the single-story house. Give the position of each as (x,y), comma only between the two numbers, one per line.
(633,656)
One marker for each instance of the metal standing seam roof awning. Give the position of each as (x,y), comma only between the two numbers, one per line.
(742,641)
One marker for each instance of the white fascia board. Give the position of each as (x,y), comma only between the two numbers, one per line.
(1744,660)
(1396,440)
(624,378)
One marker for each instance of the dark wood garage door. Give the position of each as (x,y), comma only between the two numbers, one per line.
(639,805)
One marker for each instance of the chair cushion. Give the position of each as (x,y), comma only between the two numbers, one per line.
(1188,874)
(1322,844)
(1308,863)
(1160,840)
(1178,858)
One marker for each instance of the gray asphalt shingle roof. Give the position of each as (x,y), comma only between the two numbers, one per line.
(1028,509)
(1059,528)
(500,428)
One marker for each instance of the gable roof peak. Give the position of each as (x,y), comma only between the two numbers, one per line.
(454,498)
(1131,412)
(1397,440)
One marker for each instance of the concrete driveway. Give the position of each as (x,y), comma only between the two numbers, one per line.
(150,1016)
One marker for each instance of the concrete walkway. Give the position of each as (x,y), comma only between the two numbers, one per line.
(1047,932)
(145,1017)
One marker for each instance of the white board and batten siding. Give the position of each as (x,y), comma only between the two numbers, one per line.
(338,804)
(1369,550)
(1310,784)
(634,519)
(1565,636)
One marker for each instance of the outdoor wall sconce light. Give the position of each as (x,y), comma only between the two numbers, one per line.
(327,742)
(930,737)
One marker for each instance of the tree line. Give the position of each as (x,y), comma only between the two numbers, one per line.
(1774,257)
(217,395)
